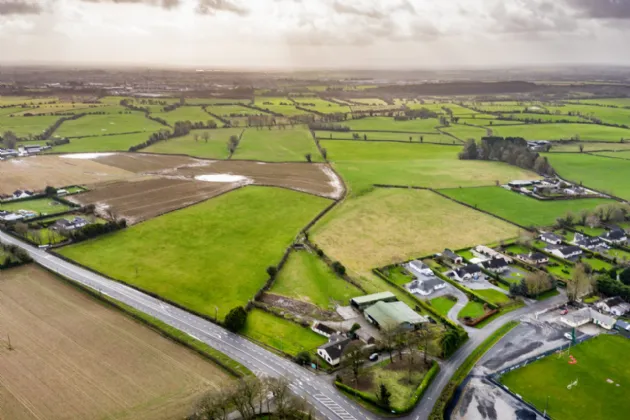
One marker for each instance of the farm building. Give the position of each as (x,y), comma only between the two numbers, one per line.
(491,253)
(324,330)
(551,238)
(333,350)
(533,258)
(452,257)
(567,252)
(615,306)
(585,315)
(393,315)
(362,302)
(520,183)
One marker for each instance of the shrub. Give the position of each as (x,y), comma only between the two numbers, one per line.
(339,268)
(235,319)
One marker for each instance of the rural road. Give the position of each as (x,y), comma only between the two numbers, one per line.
(316,389)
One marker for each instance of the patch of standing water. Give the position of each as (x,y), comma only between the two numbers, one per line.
(86,155)
(221,178)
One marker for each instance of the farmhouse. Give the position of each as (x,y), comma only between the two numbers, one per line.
(588,242)
(65,224)
(426,286)
(332,351)
(567,252)
(496,265)
(520,183)
(452,257)
(614,305)
(615,236)
(420,267)
(551,238)
(393,315)
(22,194)
(466,273)
(362,302)
(585,315)
(533,258)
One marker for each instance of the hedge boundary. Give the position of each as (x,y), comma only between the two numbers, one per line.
(445,398)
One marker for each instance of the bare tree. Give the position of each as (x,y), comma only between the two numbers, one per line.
(9,139)
(388,339)
(354,358)
(196,137)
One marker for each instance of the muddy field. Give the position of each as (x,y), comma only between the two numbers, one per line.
(34,173)
(311,178)
(75,358)
(141,199)
(141,163)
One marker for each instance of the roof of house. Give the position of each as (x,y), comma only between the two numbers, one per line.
(584,240)
(622,324)
(324,328)
(537,256)
(551,237)
(419,265)
(359,300)
(614,235)
(335,348)
(495,263)
(468,269)
(572,249)
(429,284)
(450,254)
(613,301)
(393,314)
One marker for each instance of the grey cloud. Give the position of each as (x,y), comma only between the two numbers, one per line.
(405,6)
(347,9)
(19,7)
(166,4)
(533,16)
(602,9)
(210,7)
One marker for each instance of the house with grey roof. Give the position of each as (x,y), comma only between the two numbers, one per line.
(332,351)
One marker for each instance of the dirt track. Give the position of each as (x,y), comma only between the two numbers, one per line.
(75,358)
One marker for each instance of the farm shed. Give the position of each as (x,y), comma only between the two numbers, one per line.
(362,302)
(393,315)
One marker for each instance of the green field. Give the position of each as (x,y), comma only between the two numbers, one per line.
(443,304)
(282,106)
(321,105)
(186,113)
(97,125)
(25,126)
(390,124)
(619,102)
(386,136)
(545,117)
(229,110)
(601,148)
(599,360)
(363,164)
(465,132)
(116,142)
(281,334)
(215,148)
(277,145)
(525,211)
(211,254)
(602,173)
(623,154)
(607,115)
(487,122)
(493,295)
(305,277)
(42,206)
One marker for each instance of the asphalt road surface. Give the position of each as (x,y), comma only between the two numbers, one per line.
(318,390)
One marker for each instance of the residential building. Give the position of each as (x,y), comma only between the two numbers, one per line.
(452,257)
(551,238)
(393,315)
(496,265)
(615,236)
(622,326)
(614,305)
(418,266)
(588,242)
(333,350)
(65,224)
(520,183)
(426,286)
(362,302)
(324,330)
(467,272)
(533,258)
(566,252)
(585,315)
(491,253)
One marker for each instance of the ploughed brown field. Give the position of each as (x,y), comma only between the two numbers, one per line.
(141,162)
(36,172)
(73,357)
(141,199)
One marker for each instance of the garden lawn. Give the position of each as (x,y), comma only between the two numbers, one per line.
(386,136)
(522,210)
(599,360)
(390,124)
(41,206)
(443,304)
(210,254)
(186,113)
(280,333)
(306,277)
(277,145)
(472,310)
(602,173)
(597,264)
(215,148)
(363,164)
(398,275)
(392,225)
(97,125)
(114,143)
(493,295)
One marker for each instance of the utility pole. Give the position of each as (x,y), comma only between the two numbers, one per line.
(546,407)
(216,313)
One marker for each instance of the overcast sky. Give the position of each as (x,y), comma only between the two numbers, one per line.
(315,33)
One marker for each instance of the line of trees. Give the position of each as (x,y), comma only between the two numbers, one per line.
(13,256)
(599,216)
(93,230)
(319,125)
(533,284)
(251,397)
(512,150)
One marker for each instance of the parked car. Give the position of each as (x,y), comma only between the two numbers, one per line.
(373,357)
(568,336)
(564,311)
